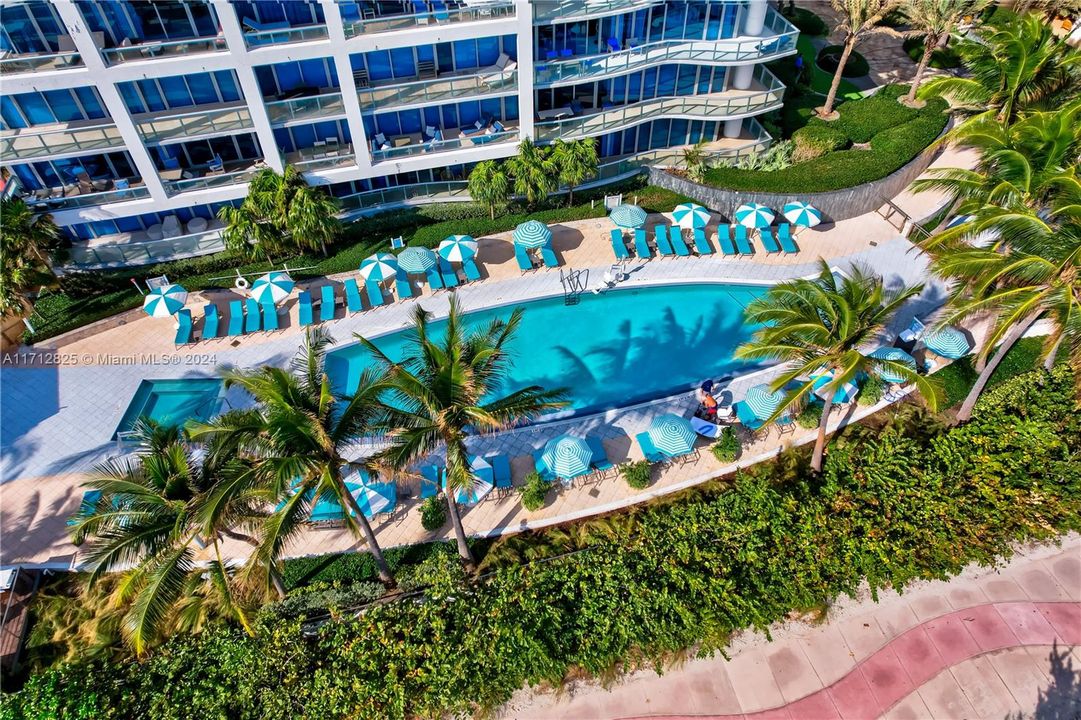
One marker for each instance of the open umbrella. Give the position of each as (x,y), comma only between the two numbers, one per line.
(802,214)
(379,267)
(165,301)
(272,287)
(483,482)
(458,248)
(567,456)
(894,355)
(841,396)
(628,216)
(948,342)
(417,260)
(532,234)
(762,401)
(753,215)
(691,215)
(374,498)
(672,434)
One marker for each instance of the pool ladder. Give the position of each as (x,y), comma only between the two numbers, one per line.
(574,284)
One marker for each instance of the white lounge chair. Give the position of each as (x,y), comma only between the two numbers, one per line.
(499,72)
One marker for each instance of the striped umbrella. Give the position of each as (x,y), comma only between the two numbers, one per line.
(895,355)
(949,342)
(672,434)
(272,287)
(482,482)
(628,216)
(165,301)
(458,248)
(802,214)
(753,215)
(532,234)
(762,401)
(379,267)
(375,498)
(691,216)
(959,220)
(841,396)
(417,260)
(567,456)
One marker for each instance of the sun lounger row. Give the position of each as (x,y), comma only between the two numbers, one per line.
(525,260)
(731,240)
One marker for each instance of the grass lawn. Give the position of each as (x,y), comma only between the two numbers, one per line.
(958,377)
(820,79)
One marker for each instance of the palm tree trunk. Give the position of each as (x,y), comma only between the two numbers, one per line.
(491,207)
(570,195)
(1049,361)
(459,533)
(985,375)
(385,575)
(928,48)
(827,109)
(272,572)
(820,443)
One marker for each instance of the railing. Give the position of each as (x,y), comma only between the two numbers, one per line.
(390,23)
(437,89)
(444,191)
(148,252)
(25,144)
(713,106)
(193,122)
(174,187)
(545,10)
(163,49)
(436,146)
(312,159)
(304,33)
(36,63)
(88,199)
(305,108)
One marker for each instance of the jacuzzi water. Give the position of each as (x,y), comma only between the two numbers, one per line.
(173,402)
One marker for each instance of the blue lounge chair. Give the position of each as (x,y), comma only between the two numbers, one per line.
(676,234)
(660,235)
(352,296)
(600,459)
(210,321)
(326,303)
(501,470)
(402,286)
(183,331)
(724,238)
(649,449)
(472,272)
(784,236)
(525,263)
(446,271)
(768,241)
(270,316)
(305,308)
(701,245)
(435,280)
(87,505)
(251,316)
(743,242)
(542,467)
(375,293)
(431,478)
(549,256)
(641,245)
(236,318)
(619,248)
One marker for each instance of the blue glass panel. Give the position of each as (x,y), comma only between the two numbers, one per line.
(677,134)
(492,107)
(27,177)
(303,135)
(18,30)
(91,101)
(313,73)
(444,53)
(686,79)
(333,66)
(47,20)
(369,126)
(718,79)
(431,117)
(206,21)
(151,94)
(227,85)
(510,107)
(401,63)
(249,146)
(387,124)
(465,54)
(468,113)
(450,117)
(728,25)
(349,10)
(268,84)
(103,227)
(379,65)
(35,108)
(62,103)
(426,53)
(487,51)
(176,92)
(695,26)
(10,112)
(618,92)
(410,121)
(128,224)
(510,45)
(284,140)
(704,78)
(202,89)
(634,87)
(666,82)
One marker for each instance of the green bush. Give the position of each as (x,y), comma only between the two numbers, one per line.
(534,492)
(829,58)
(816,140)
(871,391)
(958,377)
(727,447)
(323,597)
(350,567)
(943,58)
(810,415)
(638,475)
(433,513)
(806,21)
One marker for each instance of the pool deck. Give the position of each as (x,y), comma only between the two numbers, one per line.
(58,414)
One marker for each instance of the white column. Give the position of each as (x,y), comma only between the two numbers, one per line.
(114,103)
(755,17)
(741,76)
(253,96)
(732,128)
(336,29)
(524,15)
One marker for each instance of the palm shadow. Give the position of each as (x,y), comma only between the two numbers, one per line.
(1061,699)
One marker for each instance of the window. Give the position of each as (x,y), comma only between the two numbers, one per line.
(203,90)
(402,63)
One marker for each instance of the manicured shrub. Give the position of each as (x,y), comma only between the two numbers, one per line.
(816,140)
(638,474)
(829,58)
(433,513)
(727,447)
(810,415)
(871,391)
(806,21)
(322,597)
(350,567)
(534,492)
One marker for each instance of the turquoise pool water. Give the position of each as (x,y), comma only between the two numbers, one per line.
(172,402)
(611,350)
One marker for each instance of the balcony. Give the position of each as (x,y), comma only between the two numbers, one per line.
(203,178)
(437,90)
(322,157)
(475,12)
(545,11)
(162,49)
(142,248)
(443,191)
(85,195)
(405,146)
(764,94)
(55,140)
(221,119)
(309,108)
(282,36)
(39,62)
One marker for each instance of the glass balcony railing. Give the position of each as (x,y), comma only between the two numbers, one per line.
(174,187)
(163,49)
(304,33)
(314,107)
(31,143)
(437,90)
(134,249)
(424,192)
(475,12)
(549,10)
(24,63)
(438,146)
(78,199)
(153,127)
(324,157)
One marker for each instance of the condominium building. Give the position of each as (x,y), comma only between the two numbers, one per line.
(133,121)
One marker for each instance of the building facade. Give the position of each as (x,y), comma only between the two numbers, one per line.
(132,122)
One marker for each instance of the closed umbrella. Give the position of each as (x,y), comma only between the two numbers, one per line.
(762,401)
(802,214)
(532,234)
(753,215)
(567,456)
(896,355)
(458,248)
(672,434)
(628,216)
(165,301)
(272,287)
(948,342)
(379,267)
(691,215)
(418,260)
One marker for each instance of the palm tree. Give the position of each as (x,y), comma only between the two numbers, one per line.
(859,18)
(695,162)
(444,390)
(148,523)
(296,436)
(533,172)
(820,327)
(1014,68)
(576,162)
(25,243)
(488,184)
(934,20)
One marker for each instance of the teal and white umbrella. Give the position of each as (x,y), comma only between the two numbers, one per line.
(532,234)
(691,216)
(379,267)
(567,456)
(482,482)
(896,355)
(753,215)
(762,401)
(165,301)
(841,396)
(628,216)
(418,260)
(672,434)
(458,248)
(375,498)
(272,287)
(802,214)
(948,342)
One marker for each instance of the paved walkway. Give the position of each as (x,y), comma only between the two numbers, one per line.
(990,643)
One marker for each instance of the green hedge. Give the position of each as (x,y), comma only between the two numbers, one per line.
(805,21)
(910,500)
(830,56)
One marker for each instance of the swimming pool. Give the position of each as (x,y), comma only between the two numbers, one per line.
(172,402)
(610,350)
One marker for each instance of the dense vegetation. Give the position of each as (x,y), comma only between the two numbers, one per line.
(908,500)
